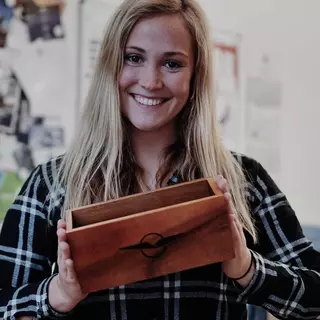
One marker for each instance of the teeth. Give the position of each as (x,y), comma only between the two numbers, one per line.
(148,102)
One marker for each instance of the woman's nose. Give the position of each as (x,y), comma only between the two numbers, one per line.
(151,78)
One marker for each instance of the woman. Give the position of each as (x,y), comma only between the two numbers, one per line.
(149,122)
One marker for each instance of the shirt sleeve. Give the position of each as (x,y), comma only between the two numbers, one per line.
(28,248)
(287,278)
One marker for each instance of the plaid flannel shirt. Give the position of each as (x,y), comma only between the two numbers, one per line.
(286,281)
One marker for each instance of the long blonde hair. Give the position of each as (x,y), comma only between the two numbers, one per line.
(99,164)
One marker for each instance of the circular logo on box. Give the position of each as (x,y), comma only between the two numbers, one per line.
(152,246)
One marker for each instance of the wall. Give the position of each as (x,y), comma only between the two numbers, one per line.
(289,32)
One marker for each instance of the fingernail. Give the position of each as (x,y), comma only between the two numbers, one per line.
(69,263)
(60,232)
(227,195)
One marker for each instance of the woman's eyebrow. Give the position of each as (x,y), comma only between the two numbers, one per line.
(166,54)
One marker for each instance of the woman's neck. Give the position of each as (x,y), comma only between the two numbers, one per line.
(148,149)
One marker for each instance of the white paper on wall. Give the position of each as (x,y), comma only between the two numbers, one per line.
(227,87)
(263,123)
(94,17)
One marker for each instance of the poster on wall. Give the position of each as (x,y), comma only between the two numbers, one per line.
(35,109)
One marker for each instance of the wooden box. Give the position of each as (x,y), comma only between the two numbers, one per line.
(149,234)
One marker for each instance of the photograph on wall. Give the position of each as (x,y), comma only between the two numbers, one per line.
(34,103)
(44,21)
(6,13)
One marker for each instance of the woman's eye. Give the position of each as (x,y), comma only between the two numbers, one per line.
(173,65)
(133,58)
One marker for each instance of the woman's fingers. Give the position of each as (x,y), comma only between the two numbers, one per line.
(236,238)
(62,258)
(65,250)
(237,230)
(65,285)
(221,183)
(64,254)
(61,224)
(62,235)
(239,264)
(67,262)
(71,274)
(240,229)
(227,196)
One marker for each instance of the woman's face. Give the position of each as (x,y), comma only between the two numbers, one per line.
(157,71)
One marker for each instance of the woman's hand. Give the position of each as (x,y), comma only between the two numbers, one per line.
(64,289)
(240,264)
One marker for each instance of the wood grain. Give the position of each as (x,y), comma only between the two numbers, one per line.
(136,203)
(97,248)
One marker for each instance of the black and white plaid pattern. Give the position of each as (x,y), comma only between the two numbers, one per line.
(286,281)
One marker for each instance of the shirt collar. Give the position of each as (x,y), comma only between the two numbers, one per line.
(173,180)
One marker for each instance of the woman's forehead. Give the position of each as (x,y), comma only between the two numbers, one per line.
(164,31)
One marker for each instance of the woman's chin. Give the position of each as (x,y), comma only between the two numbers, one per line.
(145,127)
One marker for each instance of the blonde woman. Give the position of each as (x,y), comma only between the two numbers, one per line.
(149,121)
